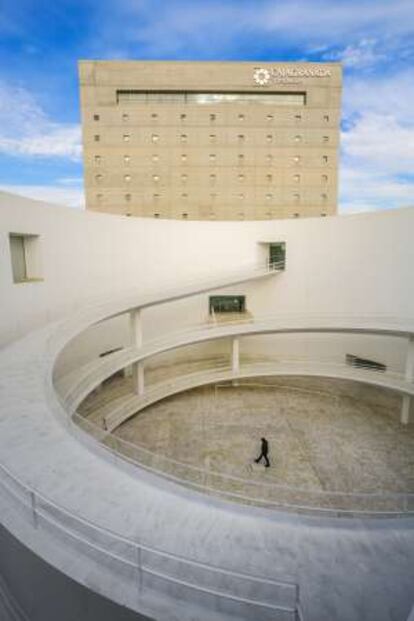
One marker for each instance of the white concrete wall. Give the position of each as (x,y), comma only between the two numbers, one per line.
(358,264)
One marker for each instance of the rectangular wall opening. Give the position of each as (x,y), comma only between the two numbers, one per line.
(25,257)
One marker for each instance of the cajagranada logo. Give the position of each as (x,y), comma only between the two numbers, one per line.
(262,76)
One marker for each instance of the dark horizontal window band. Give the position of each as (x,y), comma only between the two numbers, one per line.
(293,98)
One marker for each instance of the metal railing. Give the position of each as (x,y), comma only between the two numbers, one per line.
(229,483)
(255,596)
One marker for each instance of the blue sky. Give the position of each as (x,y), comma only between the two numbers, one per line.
(41,41)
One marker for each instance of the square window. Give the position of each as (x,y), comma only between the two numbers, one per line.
(241,177)
(183,157)
(155,178)
(185,215)
(184,178)
(155,137)
(296,197)
(269,138)
(154,116)
(269,118)
(126,137)
(184,196)
(127,197)
(97,138)
(183,138)
(156,215)
(296,159)
(324,178)
(155,158)
(241,197)
(127,159)
(269,158)
(298,117)
(213,178)
(269,197)
(183,117)
(325,139)
(296,178)
(298,138)
(324,197)
(25,257)
(325,159)
(127,178)
(99,197)
(213,137)
(212,157)
(212,117)
(98,178)
(96,117)
(155,197)
(241,117)
(326,118)
(240,157)
(269,178)
(241,137)
(98,159)
(125,117)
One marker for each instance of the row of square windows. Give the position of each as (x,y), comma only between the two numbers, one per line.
(213,178)
(240,214)
(213,196)
(241,138)
(298,117)
(296,159)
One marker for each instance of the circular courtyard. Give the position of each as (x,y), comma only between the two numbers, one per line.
(333,445)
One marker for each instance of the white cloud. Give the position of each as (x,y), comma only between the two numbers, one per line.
(55,194)
(26,130)
(365,53)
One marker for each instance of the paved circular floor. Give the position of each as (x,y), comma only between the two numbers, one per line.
(324,436)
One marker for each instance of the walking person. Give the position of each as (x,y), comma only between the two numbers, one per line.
(264,453)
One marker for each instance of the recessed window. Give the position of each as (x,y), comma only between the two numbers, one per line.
(99,197)
(269,118)
(296,159)
(125,117)
(128,214)
(298,138)
(183,157)
(325,159)
(213,138)
(241,197)
(241,137)
(324,178)
(126,137)
(127,178)
(97,138)
(325,139)
(269,138)
(127,197)
(155,158)
(96,117)
(240,158)
(185,215)
(296,197)
(269,197)
(25,257)
(212,157)
(213,196)
(269,178)
(156,215)
(184,196)
(183,117)
(155,137)
(298,117)
(227,303)
(269,158)
(213,178)
(154,116)
(127,159)
(326,118)
(98,178)
(241,117)
(212,117)
(296,178)
(183,138)
(324,197)
(155,178)
(98,159)
(184,178)
(323,215)
(296,215)
(241,214)
(155,197)
(241,177)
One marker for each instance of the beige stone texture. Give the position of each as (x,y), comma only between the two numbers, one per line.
(224,161)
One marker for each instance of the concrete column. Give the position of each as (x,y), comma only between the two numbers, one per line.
(409,376)
(138,375)
(135,321)
(405,409)
(409,360)
(235,355)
